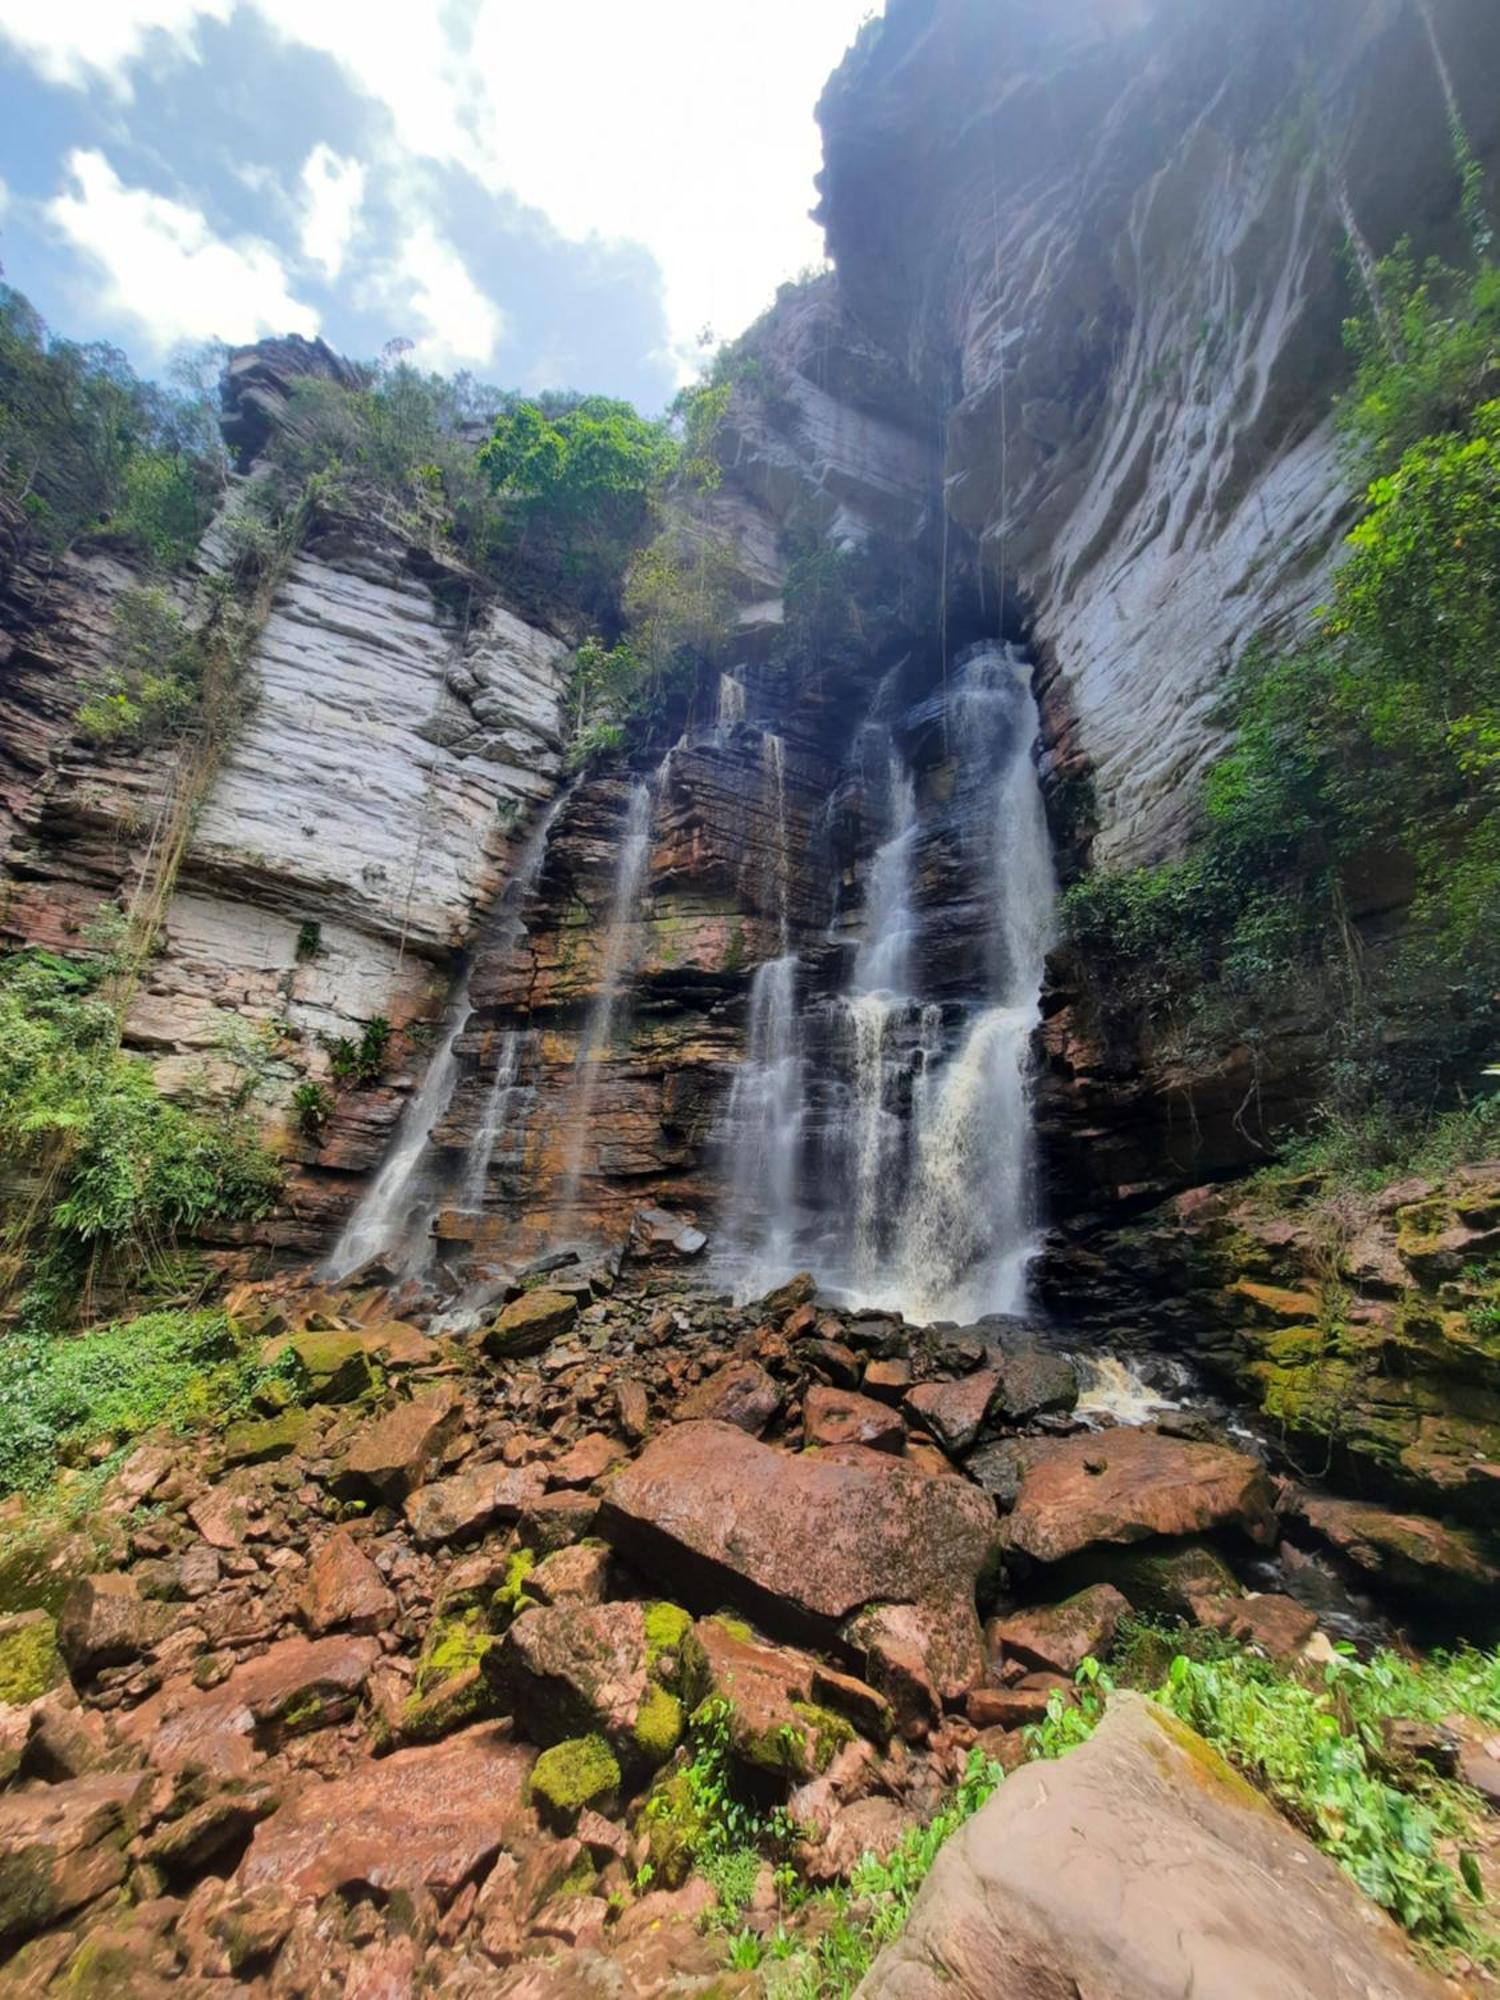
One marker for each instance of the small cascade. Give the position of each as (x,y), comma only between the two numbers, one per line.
(630,876)
(731,705)
(499,1107)
(773,755)
(392,1220)
(394,1217)
(761,1138)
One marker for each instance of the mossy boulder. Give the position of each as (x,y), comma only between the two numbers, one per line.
(571,1670)
(530,1323)
(328,1367)
(581,1771)
(764,1696)
(658,1726)
(255,1442)
(30,1662)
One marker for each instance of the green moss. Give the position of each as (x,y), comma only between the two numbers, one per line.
(579,1879)
(29,1659)
(254,1443)
(581,1772)
(674,1829)
(452,1645)
(667,1625)
(736,1628)
(658,1725)
(510,1600)
(830,1732)
(465,1697)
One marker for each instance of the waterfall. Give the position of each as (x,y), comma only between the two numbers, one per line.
(761,1137)
(731,704)
(395,1213)
(773,755)
(630,875)
(499,1105)
(880,1137)
(391,1221)
(966,1234)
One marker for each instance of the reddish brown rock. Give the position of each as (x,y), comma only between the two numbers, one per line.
(1125,1485)
(632,1408)
(556,1520)
(61,1846)
(1408,1553)
(420,1820)
(396,1454)
(571,1670)
(451,1510)
(740,1393)
(777,1728)
(955,1411)
(581,1464)
(344,1587)
(578,1574)
(1061,1636)
(839,1416)
(1010,1708)
(887,1380)
(531,1323)
(1140,1867)
(919,1656)
(105,1623)
(804,1540)
(297,1684)
(1278,1626)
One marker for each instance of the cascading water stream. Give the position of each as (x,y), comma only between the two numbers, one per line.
(395,1214)
(630,876)
(896,1158)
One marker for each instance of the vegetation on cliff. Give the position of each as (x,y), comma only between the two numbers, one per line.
(105,1171)
(1365,771)
(87,448)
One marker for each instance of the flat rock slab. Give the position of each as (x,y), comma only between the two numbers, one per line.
(799,1541)
(1405,1552)
(399,1452)
(451,1509)
(420,1819)
(62,1845)
(1140,1867)
(297,1684)
(1125,1485)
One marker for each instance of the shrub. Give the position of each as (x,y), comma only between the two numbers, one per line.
(152,689)
(60,1395)
(113,1169)
(360,1062)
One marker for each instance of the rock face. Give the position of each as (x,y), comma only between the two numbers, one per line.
(1105,241)
(1142,1867)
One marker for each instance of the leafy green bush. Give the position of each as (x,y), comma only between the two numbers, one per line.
(108,1169)
(85,446)
(153,684)
(62,1395)
(360,1062)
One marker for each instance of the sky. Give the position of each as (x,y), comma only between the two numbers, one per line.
(548,193)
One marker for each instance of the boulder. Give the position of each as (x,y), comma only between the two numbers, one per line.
(332,1367)
(295,1685)
(1409,1554)
(61,1846)
(656,1232)
(399,1452)
(575,1776)
(584,1462)
(1060,1636)
(531,1323)
(801,1542)
(344,1587)
(575,1670)
(740,1393)
(1140,1867)
(1033,1381)
(1276,1625)
(1127,1485)
(104,1622)
(887,1380)
(259,1440)
(780,1719)
(451,1510)
(919,1656)
(839,1416)
(578,1574)
(427,1819)
(954,1411)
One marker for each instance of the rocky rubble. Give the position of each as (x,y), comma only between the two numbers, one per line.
(409,1702)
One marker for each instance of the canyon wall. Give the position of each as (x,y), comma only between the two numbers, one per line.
(1072,378)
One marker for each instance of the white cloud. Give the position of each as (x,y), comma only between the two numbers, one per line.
(683,127)
(332,190)
(456,325)
(70,41)
(163,266)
